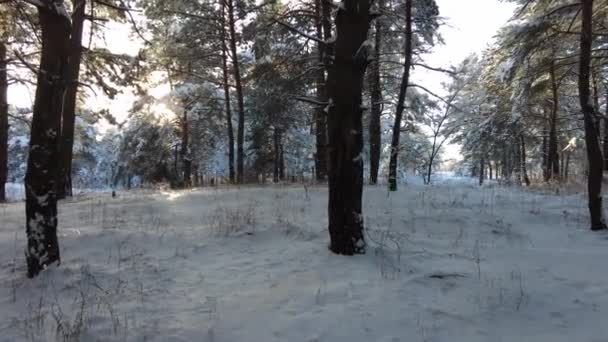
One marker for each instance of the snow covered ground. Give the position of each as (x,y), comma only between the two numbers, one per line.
(451,262)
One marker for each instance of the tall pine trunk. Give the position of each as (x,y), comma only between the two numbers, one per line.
(185,152)
(3,121)
(64,180)
(43,162)
(345,128)
(553,160)
(594,152)
(226,85)
(276,137)
(545,151)
(375,134)
(240,131)
(320,116)
(392,170)
(482,167)
(524,168)
(606,135)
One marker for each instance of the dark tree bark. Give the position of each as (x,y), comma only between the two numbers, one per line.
(196,175)
(606,135)
(64,179)
(345,127)
(545,151)
(226,85)
(516,161)
(482,167)
(524,168)
(506,174)
(320,116)
(567,166)
(392,169)
(276,137)
(553,160)
(240,131)
(594,152)
(3,122)
(43,162)
(281,159)
(185,152)
(375,134)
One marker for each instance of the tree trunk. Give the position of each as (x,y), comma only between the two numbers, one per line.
(429,171)
(375,134)
(3,122)
(594,152)
(276,155)
(185,152)
(345,127)
(524,168)
(553,162)
(545,152)
(320,116)
(482,167)
(567,166)
(392,171)
(490,170)
(196,175)
(606,135)
(240,133)
(227,96)
(64,180)
(43,162)
(505,165)
(281,159)
(516,161)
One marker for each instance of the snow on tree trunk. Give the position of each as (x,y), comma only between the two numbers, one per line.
(594,152)
(3,122)
(392,168)
(64,179)
(345,127)
(43,162)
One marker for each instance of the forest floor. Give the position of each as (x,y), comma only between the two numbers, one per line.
(450,262)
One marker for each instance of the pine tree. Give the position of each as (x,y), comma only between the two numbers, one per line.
(594,152)
(345,127)
(43,162)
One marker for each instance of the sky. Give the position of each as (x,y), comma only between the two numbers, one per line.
(470,27)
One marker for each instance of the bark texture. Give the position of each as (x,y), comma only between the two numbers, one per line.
(240,131)
(43,162)
(320,115)
(375,134)
(594,152)
(225,75)
(345,127)
(64,179)
(392,168)
(3,122)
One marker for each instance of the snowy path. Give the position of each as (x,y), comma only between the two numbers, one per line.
(446,263)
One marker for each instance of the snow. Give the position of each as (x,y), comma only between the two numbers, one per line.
(449,262)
